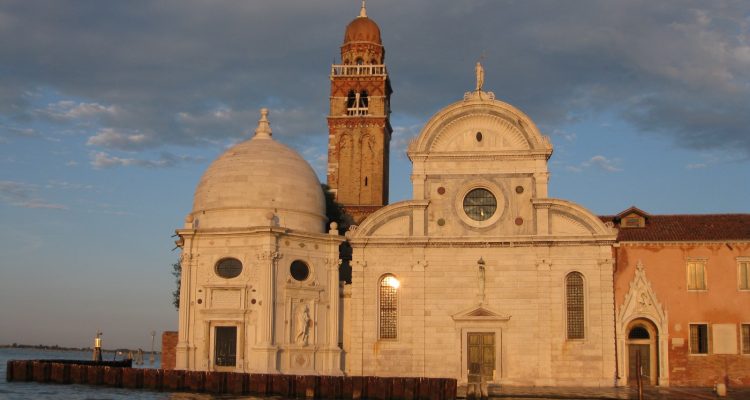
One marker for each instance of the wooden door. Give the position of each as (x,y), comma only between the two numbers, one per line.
(481,356)
(645,351)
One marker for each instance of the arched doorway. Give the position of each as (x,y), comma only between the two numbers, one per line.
(642,339)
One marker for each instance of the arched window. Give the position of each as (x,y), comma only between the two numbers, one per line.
(638,332)
(574,305)
(351,99)
(388,305)
(363,99)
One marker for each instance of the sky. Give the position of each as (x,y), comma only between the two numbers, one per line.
(110,111)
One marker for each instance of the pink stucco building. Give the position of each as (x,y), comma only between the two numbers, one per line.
(682,298)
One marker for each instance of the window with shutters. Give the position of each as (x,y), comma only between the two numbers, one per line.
(696,275)
(743,272)
(388,307)
(698,338)
(574,303)
(745,334)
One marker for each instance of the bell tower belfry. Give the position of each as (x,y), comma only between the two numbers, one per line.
(359,129)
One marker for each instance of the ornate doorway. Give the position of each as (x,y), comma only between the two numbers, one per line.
(225,347)
(642,339)
(641,327)
(481,356)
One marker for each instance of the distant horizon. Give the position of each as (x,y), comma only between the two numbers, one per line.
(65,348)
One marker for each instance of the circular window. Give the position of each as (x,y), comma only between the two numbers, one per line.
(299,270)
(229,268)
(480,204)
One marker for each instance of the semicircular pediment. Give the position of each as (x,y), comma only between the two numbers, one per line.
(502,126)
(479,132)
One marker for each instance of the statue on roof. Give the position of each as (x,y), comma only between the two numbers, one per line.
(480,76)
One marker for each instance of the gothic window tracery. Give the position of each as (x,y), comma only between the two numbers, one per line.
(574,304)
(388,307)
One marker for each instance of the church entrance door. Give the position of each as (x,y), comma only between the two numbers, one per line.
(642,340)
(225,347)
(481,356)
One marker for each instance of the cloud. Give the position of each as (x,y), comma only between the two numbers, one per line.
(19,194)
(696,166)
(112,139)
(190,72)
(102,160)
(567,136)
(21,132)
(402,136)
(597,162)
(63,185)
(69,109)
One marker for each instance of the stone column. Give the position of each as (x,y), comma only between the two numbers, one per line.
(333,263)
(544,372)
(183,343)
(541,179)
(268,259)
(609,367)
(542,218)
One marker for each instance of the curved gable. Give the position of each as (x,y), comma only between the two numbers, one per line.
(570,219)
(502,126)
(393,220)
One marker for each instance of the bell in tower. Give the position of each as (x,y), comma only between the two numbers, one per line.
(359,129)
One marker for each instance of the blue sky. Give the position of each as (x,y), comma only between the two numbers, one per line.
(111,111)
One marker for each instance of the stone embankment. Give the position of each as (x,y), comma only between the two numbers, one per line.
(240,384)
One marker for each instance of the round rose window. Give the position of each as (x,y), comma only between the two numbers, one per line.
(480,204)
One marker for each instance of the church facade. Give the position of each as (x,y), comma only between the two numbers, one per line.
(481,276)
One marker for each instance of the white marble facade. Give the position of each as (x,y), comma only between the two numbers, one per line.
(468,280)
(269,317)
(500,272)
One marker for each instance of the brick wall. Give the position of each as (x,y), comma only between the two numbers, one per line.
(708,370)
(168,349)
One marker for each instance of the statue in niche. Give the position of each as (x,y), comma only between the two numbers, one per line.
(303,326)
(643,301)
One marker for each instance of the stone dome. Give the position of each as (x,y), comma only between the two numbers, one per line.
(362,29)
(259,182)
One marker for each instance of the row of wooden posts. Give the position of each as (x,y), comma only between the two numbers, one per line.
(240,384)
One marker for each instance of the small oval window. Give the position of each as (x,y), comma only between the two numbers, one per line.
(299,270)
(229,268)
(479,136)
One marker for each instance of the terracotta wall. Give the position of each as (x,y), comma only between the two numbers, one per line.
(721,303)
(168,349)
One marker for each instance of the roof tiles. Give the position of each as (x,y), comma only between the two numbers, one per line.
(696,227)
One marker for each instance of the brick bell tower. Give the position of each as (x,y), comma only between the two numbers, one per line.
(359,129)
